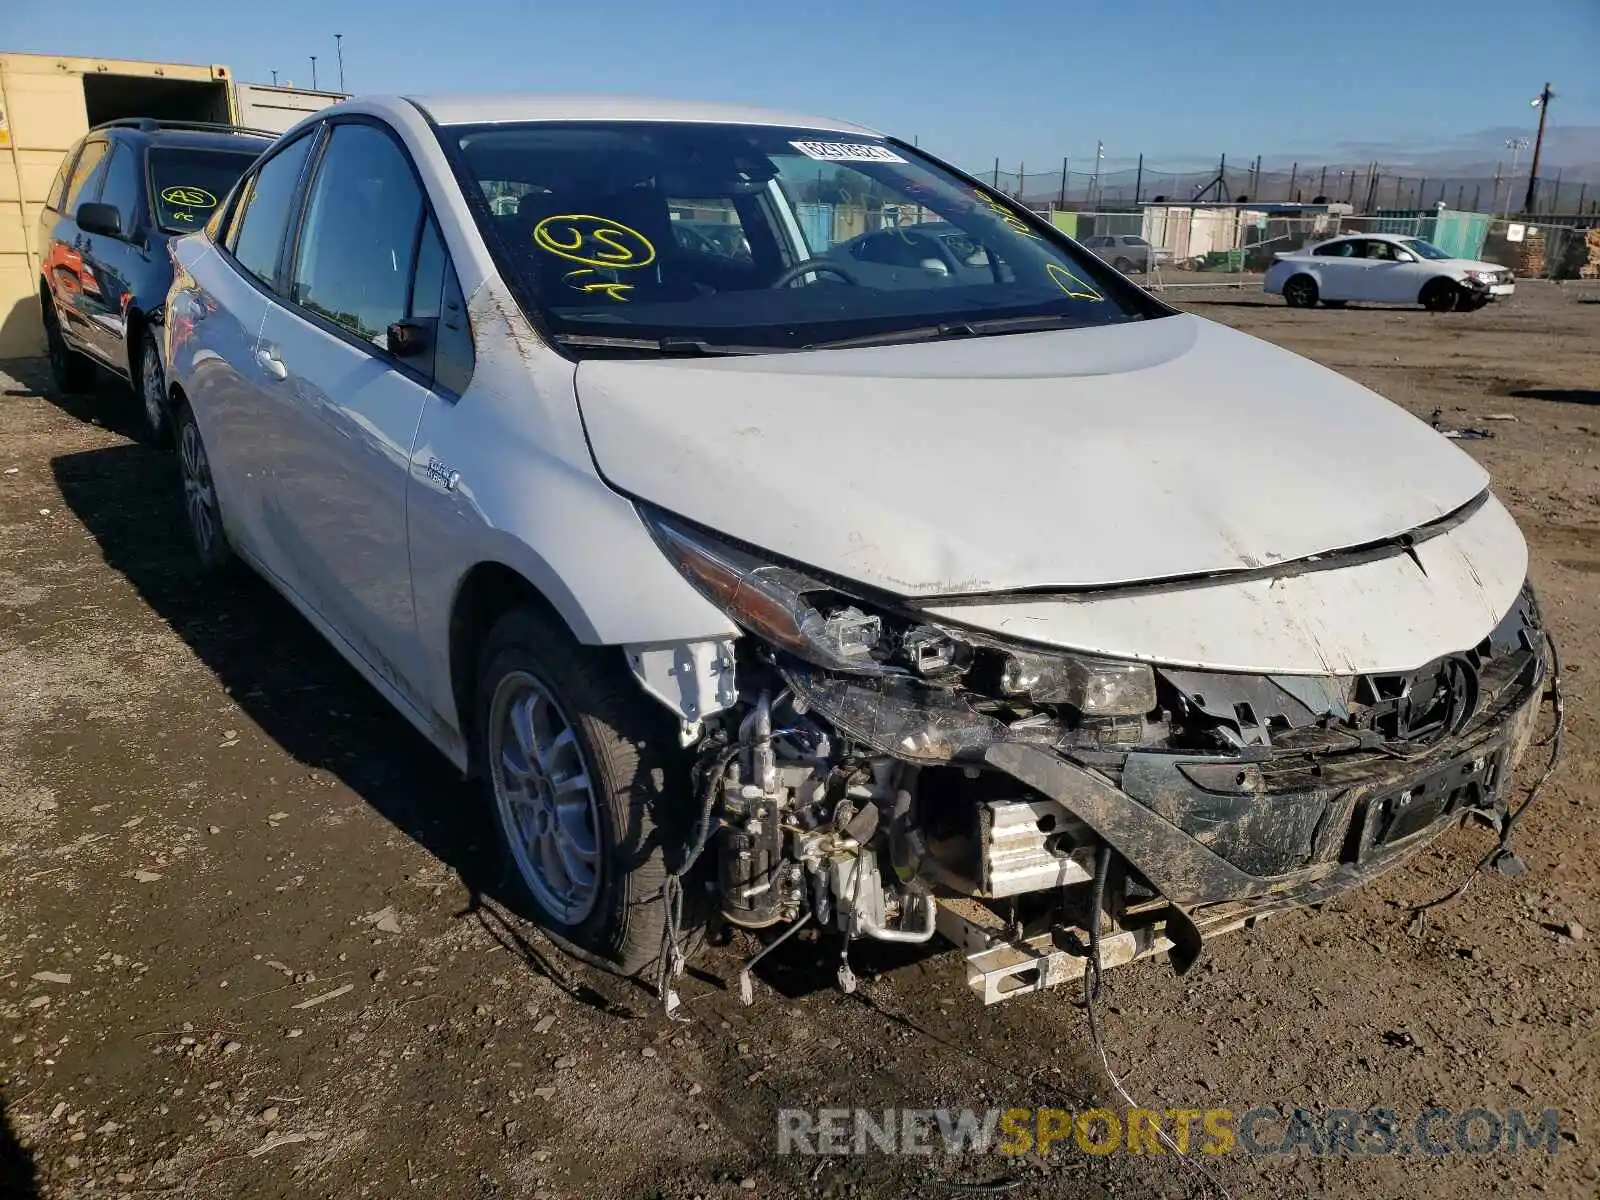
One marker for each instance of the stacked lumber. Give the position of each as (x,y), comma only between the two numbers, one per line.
(1591,268)
(1530,255)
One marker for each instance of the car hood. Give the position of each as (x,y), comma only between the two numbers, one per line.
(1074,458)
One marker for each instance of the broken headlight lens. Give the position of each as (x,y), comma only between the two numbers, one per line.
(829,628)
(777,603)
(1102,687)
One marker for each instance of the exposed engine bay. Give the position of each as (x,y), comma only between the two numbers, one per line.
(891,777)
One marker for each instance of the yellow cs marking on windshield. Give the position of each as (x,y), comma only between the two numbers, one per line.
(1010,219)
(612,288)
(582,235)
(188,197)
(1071,284)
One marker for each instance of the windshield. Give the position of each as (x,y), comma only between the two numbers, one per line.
(759,237)
(187,185)
(1424,249)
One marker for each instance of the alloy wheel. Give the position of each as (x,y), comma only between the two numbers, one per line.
(545,798)
(153,388)
(199,496)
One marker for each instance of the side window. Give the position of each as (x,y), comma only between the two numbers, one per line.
(122,184)
(85,184)
(262,214)
(353,265)
(1345,249)
(436,297)
(59,183)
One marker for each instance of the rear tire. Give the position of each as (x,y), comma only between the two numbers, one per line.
(201,509)
(71,371)
(1441,295)
(1125,265)
(577,766)
(1300,291)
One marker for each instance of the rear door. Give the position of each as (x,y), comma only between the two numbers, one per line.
(1338,270)
(74,288)
(345,413)
(213,341)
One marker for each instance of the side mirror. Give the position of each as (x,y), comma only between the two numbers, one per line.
(407,339)
(1405,256)
(94,217)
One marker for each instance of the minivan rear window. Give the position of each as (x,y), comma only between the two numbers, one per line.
(187,185)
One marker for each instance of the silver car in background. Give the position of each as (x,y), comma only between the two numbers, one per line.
(822,585)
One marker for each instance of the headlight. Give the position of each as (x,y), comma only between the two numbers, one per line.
(823,625)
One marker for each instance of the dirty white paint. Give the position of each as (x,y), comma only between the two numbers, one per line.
(1379,616)
(1076,458)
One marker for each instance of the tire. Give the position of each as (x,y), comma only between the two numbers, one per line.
(576,797)
(71,371)
(1125,265)
(1474,303)
(202,513)
(150,382)
(1300,291)
(1441,295)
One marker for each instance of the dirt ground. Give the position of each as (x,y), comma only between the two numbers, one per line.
(252,942)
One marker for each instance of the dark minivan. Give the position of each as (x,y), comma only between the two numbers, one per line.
(122,192)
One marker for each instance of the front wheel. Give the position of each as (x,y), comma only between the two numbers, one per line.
(1125,265)
(1441,295)
(152,383)
(577,764)
(1300,292)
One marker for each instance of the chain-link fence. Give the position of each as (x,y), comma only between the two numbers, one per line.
(1368,188)
(1177,246)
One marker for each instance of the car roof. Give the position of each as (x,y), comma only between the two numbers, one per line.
(470,109)
(192,139)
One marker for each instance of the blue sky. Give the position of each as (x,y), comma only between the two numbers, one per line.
(1180,80)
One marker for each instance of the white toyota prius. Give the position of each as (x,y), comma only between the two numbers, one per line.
(768,576)
(1386,269)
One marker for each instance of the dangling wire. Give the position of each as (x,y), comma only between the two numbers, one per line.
(1502,852)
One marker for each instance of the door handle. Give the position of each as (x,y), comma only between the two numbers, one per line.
(271,363)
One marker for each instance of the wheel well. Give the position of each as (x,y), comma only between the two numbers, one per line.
(133,339)
(489,591)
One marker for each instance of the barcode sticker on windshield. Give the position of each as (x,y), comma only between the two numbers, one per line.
(847,152)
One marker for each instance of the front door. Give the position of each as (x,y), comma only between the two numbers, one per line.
(346,412)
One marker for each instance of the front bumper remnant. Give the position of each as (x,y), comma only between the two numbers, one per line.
(1212,856)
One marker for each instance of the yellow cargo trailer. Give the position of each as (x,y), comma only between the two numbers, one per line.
(47,103)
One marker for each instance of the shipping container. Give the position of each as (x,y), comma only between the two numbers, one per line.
(269,106)
(48,102)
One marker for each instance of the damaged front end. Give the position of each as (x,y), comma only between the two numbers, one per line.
(891,776)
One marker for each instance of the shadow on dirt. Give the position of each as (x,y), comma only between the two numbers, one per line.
(17,1178)
(299,691)
(1560,395)
(110,404)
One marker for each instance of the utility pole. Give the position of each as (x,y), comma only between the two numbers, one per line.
(1099,153)
(274,78)
(313,72)
(1138,180)
(338,45)
(1065,162)
(1516,146)
(1542,103)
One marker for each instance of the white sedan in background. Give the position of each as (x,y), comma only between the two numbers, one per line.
(1388,269)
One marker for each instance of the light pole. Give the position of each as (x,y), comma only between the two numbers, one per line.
(1099,154)
(274,79)
(338,43)
(1516,146)
(313,72)
(1542,103)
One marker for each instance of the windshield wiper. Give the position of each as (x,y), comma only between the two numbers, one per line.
(666,345)
(954,329)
